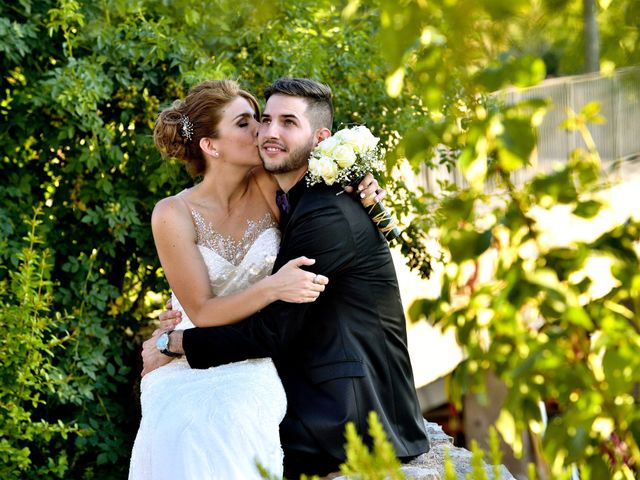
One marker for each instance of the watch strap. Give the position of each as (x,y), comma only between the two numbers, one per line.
(166,351)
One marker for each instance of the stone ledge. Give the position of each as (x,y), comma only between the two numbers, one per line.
(430,465)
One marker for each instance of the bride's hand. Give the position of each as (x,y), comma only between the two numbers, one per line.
(369,187)
(169,318)
(294,285)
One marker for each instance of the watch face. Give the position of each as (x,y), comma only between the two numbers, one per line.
(163,341)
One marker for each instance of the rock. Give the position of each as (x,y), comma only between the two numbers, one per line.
(430,466)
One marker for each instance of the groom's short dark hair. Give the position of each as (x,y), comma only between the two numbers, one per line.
(317,95)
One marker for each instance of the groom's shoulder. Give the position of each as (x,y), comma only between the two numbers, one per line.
(315,193)
(334,200)
(326,198)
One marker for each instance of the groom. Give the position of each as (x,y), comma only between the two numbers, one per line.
(344,354)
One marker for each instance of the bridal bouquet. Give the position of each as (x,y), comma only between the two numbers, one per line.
(345,158)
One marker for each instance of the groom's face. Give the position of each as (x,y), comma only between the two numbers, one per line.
(286,136)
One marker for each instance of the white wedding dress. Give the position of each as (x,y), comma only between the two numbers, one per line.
(220,422)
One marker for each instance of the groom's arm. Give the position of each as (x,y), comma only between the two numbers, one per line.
(324,235)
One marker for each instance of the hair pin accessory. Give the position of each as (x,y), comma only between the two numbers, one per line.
(186,130)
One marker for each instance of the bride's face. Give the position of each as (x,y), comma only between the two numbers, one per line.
(237,132)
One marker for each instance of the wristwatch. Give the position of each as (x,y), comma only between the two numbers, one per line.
(162,344)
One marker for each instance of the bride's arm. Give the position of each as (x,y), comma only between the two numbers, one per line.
(174,236)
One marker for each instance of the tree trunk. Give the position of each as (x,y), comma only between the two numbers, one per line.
(591,37)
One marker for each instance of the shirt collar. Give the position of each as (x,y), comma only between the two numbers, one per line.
(295,193)
(293,197)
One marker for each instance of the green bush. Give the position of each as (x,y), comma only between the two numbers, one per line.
(31,441)
(379,463)
(519,308)
(537,315)
(82,83)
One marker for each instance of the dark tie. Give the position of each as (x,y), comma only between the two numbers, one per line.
(282,200)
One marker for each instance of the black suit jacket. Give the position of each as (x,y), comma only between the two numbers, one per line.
(343,355)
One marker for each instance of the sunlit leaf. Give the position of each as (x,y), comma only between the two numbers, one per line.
(467,244)
(587,209)
(420,309)
(395,82)
(507,428)
(516,144)
(579,317)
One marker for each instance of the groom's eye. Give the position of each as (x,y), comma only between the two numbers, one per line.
(265,120)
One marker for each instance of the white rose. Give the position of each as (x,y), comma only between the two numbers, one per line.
(313,166)
(326,168)
(346,135)
(366,140)
(344,155)
(326,147)
(360,138)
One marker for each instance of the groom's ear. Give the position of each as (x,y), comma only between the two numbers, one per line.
(322,134)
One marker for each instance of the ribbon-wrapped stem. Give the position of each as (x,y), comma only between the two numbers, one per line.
(381,217)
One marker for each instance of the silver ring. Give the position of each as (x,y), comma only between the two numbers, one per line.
(315,279)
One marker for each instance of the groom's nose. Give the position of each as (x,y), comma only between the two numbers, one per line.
(268,130)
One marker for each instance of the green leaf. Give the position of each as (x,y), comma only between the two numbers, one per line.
(577,316)
(473,167)
(457,208)
(591,112)
(521,71)
(587,209)
(467,244)
(515,144)
(420,309)
(595,469)
(618,366)
(554,187)
(570,124)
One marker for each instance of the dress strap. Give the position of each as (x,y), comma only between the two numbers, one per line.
(184,200)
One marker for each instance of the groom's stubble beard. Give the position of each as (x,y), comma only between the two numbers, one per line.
(298,158)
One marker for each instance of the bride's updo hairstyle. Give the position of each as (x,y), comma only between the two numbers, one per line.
(180,127)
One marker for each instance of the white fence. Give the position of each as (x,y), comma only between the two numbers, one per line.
(619,98)
(617,140)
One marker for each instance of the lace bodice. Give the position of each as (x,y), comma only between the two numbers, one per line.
(234,265)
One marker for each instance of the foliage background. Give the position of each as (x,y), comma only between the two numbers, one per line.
(82,83)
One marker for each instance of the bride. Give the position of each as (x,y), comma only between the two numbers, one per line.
(217,242)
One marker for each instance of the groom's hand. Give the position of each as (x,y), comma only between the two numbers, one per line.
(152,358)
